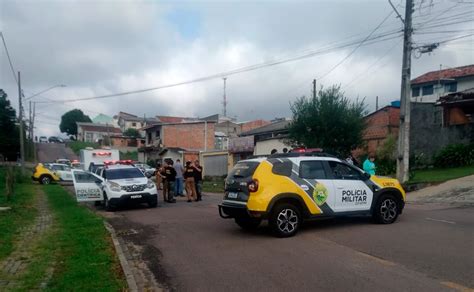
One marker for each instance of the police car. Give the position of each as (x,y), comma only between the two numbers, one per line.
(117,184)
(289,188)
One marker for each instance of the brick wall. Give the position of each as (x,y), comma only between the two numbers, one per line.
(379,125)
(254,124)
(188,136)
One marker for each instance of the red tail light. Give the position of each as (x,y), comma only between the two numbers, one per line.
(253,186)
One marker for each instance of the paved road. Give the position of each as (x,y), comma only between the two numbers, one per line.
(189,247)
(49,152)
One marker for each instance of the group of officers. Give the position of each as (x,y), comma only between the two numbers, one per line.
(172,176)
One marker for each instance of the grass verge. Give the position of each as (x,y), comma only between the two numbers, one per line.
(21,214)
(80,247)
(213,185)
(76,146)
(440,174)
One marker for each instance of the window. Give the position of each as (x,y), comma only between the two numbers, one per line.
(312,170)
(84,177)
(427,90)
(134,124)
(344,171)
(124,173)
(157,134)
(451,87)
(282,168)
(415,91)
(243,169)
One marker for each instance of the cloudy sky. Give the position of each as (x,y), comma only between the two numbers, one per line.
(104,47)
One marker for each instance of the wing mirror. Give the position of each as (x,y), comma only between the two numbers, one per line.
(98,181)
(366,176)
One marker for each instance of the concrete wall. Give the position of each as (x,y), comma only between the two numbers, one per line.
(215,164)
(265,147)
(428,136)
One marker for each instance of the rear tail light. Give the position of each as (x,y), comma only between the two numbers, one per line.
(253,186)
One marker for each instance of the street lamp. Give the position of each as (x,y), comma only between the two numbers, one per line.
(43,91)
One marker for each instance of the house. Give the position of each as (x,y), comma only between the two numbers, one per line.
(91,132)
(227,128)
(103,119)
(266,138)
(436,125)
(457,107)
(192,136)
(379,125)
(430,86)
(126,121)
(120,141)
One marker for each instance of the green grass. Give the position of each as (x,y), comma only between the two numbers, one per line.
(214,185)
(76,146)
(21,214)
(81,248)
(441,174)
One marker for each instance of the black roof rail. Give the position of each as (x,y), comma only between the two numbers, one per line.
(298,154)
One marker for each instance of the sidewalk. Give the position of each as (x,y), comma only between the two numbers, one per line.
(457,191)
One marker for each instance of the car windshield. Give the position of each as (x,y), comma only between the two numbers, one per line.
(243,169)
(124,173)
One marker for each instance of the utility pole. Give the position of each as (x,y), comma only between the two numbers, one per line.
(32,132)
(377,103)
(403,163)
(225,98)
(20,119)
(314,88)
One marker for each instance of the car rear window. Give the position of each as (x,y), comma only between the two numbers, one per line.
(124,173)
(244,169)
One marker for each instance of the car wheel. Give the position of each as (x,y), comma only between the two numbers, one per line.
(248,223)
(153,203)
(386,210)
(107,205)
(45,180)
(285,220)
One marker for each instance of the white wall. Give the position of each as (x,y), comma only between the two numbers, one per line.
(265,147)
(462,84)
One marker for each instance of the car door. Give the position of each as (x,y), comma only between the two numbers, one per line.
(65,173)
(351,191)
(318,184)
(87,186)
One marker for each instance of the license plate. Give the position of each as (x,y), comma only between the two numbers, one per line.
(136,196)
(232,195)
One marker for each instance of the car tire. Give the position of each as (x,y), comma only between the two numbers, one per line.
(248,223)
(107,206)
(285,220)
(386,210)
(45,179)
(153,203)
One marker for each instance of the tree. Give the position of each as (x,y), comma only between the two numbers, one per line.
(329,121)
(68,121)
(131,132)
(9,132)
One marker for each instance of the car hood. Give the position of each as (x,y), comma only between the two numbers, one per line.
(130,181)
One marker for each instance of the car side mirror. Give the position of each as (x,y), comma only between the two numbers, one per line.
(98,181)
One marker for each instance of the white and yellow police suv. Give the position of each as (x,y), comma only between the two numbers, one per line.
(289,188)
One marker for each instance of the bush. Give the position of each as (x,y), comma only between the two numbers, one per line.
(385,166)
(454,155)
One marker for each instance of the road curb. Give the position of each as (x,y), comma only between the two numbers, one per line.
(132,284)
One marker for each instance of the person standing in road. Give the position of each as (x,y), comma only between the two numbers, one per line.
(159,179)
(198,180)
(169,177)
(369,165)
(189,174)
(178,189)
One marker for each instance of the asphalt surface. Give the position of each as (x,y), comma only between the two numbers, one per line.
(49,152)
(189,247)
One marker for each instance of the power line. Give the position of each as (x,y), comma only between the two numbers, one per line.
(357,47)
(8,56)
(375,39)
